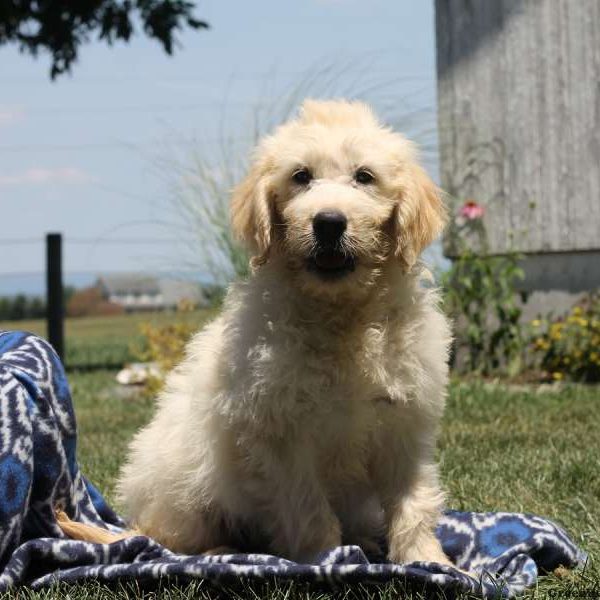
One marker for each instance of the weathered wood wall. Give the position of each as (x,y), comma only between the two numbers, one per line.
(519,118)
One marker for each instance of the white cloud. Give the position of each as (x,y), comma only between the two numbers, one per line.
(10,114)
(41,176)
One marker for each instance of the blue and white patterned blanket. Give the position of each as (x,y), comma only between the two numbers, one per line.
(39,473)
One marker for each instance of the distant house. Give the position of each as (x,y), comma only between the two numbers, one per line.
(142,292)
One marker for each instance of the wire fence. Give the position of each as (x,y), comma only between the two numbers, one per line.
(90,343)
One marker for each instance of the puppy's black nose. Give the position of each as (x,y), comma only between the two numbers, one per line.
(329,225)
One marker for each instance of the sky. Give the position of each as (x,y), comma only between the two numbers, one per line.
(97,154)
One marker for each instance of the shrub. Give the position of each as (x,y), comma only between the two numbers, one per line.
(481,296)
(568,347)
(165,344)
(90,302)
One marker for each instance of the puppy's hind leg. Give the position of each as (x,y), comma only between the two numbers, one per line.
(198,530)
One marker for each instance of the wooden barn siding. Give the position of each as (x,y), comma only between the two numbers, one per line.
(519,117)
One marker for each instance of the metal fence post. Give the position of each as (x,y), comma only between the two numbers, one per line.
(54,293)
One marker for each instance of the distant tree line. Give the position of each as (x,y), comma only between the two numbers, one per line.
(22,307)
(18,308)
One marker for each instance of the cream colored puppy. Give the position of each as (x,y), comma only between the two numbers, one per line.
(306,415)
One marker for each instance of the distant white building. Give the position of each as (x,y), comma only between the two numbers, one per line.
(135,292)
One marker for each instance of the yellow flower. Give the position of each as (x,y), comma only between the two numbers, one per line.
(536,323)
(557,375)
(542,344)
(593,356)
(555,331)
(576,311)
(583,322)
(567,360)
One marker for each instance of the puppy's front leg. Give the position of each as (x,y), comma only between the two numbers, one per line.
(296,513)
(412,517)
(407,482)
(306,528)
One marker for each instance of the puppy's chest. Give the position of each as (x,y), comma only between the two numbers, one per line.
(308,378)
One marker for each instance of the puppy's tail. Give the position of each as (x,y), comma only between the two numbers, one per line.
(90,533)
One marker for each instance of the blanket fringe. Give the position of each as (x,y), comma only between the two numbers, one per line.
(90,533)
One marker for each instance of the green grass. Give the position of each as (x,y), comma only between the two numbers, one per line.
(500,450)
(96,342)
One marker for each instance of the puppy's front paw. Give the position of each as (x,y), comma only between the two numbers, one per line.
(322,541)
(426,548)
(218,550)
(430,551)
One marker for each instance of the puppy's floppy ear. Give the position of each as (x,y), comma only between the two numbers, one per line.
(421,215)
(251,217)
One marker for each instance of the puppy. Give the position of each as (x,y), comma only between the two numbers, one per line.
(305,416)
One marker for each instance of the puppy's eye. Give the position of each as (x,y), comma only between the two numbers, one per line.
(302,176)
(364,177)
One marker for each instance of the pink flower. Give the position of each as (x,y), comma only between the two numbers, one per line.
(470,210)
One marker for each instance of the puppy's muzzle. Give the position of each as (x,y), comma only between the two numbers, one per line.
(329,260)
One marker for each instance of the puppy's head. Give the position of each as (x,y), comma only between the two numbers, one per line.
(333,196)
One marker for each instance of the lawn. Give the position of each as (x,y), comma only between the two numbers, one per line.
(501,449)
(109,342)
